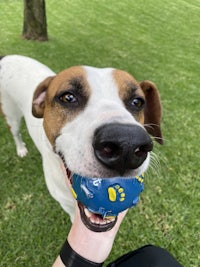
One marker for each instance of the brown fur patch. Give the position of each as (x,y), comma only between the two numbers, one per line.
(57,115)
(153,110)
(39,97)
(151,115)
(126,83)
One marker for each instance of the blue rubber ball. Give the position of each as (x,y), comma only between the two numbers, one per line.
(107,196)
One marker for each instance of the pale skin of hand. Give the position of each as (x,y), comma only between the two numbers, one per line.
(91,245)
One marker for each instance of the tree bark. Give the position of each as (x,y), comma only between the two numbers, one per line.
(35,25)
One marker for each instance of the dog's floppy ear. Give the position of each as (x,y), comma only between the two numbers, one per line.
(153,110)
(38,103)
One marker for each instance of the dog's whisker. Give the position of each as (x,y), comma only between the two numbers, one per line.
(159,138)
(150,125)
(155,166)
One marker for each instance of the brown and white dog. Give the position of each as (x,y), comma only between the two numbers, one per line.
(93,120)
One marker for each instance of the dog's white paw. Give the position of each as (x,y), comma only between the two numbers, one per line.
(22,151)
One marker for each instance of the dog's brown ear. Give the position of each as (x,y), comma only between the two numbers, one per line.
(153,110)
(38,103)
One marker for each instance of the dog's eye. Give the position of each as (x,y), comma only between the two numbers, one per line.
(68,98)
(138,103)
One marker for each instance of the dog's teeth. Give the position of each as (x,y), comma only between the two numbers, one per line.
(92,220)
(110,219)
(87,213)
(96,219)
(103,222)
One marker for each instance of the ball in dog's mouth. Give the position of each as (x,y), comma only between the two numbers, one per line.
(94,222)
(100,200)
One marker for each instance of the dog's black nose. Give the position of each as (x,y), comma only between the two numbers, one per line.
(121,147)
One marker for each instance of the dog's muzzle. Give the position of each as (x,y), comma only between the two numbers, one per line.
(121,147)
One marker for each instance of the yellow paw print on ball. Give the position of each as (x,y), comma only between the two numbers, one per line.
(116,193)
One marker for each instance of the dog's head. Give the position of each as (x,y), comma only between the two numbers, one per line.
(97,121)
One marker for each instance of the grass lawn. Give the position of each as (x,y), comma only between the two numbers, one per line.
(155,40)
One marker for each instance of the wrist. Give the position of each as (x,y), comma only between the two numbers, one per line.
(90,245)
(94,246)
(70,258)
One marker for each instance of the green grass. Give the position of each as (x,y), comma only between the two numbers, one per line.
(155,40)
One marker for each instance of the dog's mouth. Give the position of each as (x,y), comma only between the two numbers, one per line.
(93,221)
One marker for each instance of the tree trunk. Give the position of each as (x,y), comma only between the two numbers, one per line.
(35,25)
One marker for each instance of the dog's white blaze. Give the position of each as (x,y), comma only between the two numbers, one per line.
(104,106)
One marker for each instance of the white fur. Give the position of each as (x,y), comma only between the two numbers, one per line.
(104,106)
(19,77)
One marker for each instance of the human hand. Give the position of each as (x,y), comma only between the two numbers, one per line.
(93,246)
